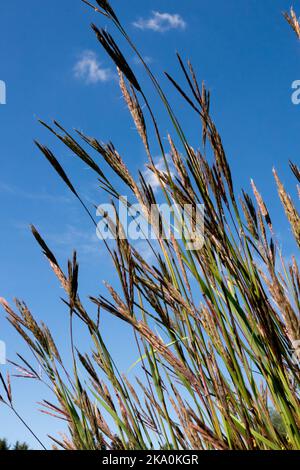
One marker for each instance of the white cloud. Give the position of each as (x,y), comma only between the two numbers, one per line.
(35,196)
(147,59)
(89,69)
(161,22)
(85,242)
(146,252)
(151,178)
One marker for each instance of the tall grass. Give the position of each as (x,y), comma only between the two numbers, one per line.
(216,329)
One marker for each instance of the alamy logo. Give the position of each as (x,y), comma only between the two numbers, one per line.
(159,221)
(2,353)
(296,92)
(2,92)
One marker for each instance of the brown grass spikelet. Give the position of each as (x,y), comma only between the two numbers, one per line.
(293,21)
(296,170)
(116,55)
(52,345)
(289,208)
(262,206)
(135,110)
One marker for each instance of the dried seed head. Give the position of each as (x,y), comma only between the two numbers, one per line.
(135,110)
(52,345)
(116,55)
(293,21)
(289,208)
(262,206)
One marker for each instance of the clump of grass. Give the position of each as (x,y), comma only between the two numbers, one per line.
(223,363)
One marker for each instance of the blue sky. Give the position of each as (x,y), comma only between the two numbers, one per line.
(54,68)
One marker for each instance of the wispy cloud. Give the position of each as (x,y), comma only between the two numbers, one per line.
(64,240)
(89,69)
(86,242)
(146,252)
(161,22)
(151,178)
(147,59)
(14,191)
